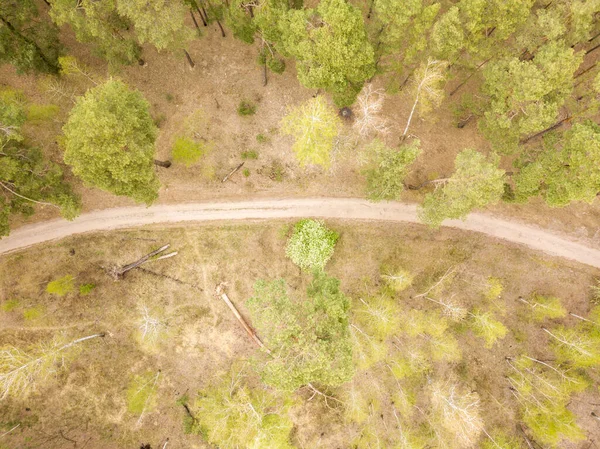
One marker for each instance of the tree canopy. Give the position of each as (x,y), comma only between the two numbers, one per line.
(109,141)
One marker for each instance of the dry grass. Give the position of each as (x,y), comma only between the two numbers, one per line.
(197,338)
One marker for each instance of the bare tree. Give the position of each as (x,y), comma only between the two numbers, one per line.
(368,121)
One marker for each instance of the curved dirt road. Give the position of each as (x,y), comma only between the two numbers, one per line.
(354,209)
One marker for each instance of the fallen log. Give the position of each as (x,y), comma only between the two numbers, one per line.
(119,272)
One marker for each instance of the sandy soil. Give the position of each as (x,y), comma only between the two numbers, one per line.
(356,209)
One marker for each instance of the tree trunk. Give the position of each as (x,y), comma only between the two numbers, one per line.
(541,133)
(469,77)
(585,71)
(119,273)
(592,49)
(165,164)
(212,10)
(194,19)
(191,63)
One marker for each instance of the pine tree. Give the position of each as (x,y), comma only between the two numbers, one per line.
(331,48)
(109,141)
(475,183)
(27,41)
(567,171)
(26,177)
(526,96)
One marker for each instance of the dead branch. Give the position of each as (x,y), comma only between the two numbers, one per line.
(232,172)
(220,292)
(119,273)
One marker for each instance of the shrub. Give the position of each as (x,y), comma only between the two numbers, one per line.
(42,112)
(261,138)
(85,289)
(62,286)
(187,152)
(246,172)
(311,244)
(9,305)
(544,307)
(246,108)
(250,154)
(493,288)
(485,326)
(33,313)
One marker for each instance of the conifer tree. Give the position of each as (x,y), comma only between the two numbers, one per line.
(26,40)
(331,48)
(109,141)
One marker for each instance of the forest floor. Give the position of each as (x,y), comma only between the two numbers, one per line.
(202,103)
(85,404)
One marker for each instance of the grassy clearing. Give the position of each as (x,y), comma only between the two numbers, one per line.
(165,323)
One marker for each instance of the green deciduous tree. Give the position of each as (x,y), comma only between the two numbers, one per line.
(475,183)
(385,177)
(311,244)
(26,40)
(26,178)
(109,141)
(487,327)
(315,126)
(234,415)
(331,48)
(526,96)
(545,307)
(308,337)
(565,171)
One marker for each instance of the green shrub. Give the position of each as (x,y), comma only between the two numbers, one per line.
(85,289)
(493,288)
(186,151)
(9,305)
(545,307)
(246,108)
(42,112)
(250,154)
(311,244)
(485,326)
(141,393)
(33,313)
(261,138)
(246,172)
(62,286)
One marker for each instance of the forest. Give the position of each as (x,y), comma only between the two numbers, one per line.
(305,333)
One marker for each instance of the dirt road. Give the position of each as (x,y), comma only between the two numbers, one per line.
(351,209)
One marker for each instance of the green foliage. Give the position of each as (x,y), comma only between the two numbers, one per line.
(378,317)
(526,96)
(261,138)
(141,393)
(42,112)
(10,304)
(332,52)
(250,154)
(311,341)
(311,244)
(246,108)
(28,43)
(570,172)
(493,288)
(239,21)
(546,307)
(86,289)
(315,127)
(576,346)
(246,172)
(499,440)
(109,141)
(61,286)
(551,424)
(186,151)
(475,183)
(385,178)
(485,326)
(26,178)
(99,24)
(33,313)
(234,415)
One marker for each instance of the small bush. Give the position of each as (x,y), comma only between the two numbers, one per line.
(276,171)
(42,112)
(62,286)
(10,305)
(493,288)
(250,154)
(246,172)
(186,151)
(33,313)
(246,108)
(485,326)
(261,138)
(169,97)
(311,244)
(545,307)
(85,289)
